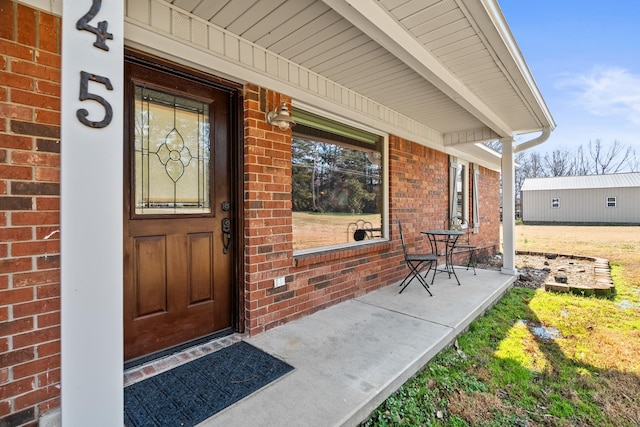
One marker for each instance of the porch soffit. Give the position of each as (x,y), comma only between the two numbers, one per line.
(439,62)
(468,37)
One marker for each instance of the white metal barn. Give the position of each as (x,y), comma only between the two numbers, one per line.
(613,199)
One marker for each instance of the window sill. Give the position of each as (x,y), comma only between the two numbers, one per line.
(337,254)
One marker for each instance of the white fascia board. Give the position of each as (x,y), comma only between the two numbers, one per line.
(371,19)
(500,28)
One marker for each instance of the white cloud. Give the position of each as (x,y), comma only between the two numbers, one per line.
(607,92)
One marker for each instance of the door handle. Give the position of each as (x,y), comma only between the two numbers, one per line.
(226,231)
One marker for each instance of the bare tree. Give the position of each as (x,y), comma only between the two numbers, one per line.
(596,159)
(495,144)
(529,166)
(534,166)
(611,160)
(633,163)
(559,163)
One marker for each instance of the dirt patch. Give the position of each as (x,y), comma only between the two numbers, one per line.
(616,395)
(475,408)
(537,270)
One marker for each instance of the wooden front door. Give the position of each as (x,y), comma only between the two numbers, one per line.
(178,210)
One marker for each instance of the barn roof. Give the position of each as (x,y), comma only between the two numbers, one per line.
(618,180)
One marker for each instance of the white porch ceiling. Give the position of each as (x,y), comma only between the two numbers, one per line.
(451,65)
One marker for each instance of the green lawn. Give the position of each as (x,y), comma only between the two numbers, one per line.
(502,374)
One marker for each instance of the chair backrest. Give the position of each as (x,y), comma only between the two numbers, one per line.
(404,246)
(461,224)
(359,230)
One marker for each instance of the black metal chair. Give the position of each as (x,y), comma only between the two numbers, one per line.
(416,263)
(464,242)
(359,230)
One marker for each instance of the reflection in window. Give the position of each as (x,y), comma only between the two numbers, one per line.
(171,158)
(337,189)
(461,192)
(458,189)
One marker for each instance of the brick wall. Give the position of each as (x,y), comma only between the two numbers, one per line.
(419,190)
(312,282)
(29,213)
(418,197)
(489,209)
(267,207)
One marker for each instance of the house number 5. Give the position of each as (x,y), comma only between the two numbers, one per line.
(82,114)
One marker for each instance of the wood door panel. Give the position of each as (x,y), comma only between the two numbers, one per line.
(200,264)
(178,280)
(150,275)
(156,226)
(151,331)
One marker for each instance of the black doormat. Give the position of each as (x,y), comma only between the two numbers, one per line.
(191,393)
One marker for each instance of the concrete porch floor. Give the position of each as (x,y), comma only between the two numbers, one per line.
(350,357)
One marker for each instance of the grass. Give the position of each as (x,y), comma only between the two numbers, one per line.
(312,230)
(502,374)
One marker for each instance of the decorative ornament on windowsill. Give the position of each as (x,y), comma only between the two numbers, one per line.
(280,117)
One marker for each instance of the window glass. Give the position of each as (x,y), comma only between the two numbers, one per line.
(171,158)
(462,192)
(337,185)
(611,202)
(458,189)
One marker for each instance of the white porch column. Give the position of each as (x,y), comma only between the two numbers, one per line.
(91,213)
(508,208)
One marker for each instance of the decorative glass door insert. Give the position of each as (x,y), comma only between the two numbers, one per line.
(172,154)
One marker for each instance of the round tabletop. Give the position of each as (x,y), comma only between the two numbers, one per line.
(443,232)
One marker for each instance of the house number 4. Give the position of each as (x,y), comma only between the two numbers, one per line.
(101,31)
(102,35)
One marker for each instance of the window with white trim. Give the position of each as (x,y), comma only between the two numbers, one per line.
(459,189)
(475,198)
(555,202)
(612,202)
(337,183)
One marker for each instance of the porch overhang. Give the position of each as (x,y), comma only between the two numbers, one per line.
(447,67)
(433,71)
(425,70)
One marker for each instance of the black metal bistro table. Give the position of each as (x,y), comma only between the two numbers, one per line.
(448,239)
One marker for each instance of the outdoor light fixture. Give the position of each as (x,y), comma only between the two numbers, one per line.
(280,117)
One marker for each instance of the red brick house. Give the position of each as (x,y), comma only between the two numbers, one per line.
(147,202)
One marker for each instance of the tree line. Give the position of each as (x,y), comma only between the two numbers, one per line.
(596,158)
(334,178)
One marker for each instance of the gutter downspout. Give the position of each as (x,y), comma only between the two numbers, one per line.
(546,131)
(508,197)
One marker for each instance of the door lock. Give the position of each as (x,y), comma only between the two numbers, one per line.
(226,231)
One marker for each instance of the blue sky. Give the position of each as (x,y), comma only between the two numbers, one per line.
(585,58)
